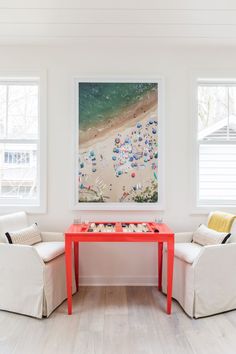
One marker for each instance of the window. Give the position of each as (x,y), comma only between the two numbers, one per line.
(22,168)
(216,142)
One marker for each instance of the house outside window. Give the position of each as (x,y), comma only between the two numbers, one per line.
(20,157)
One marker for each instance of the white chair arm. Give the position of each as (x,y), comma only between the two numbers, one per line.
(183,237)
(222,257)
(18,256)
(52,236)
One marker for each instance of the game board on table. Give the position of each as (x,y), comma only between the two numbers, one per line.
(142,227)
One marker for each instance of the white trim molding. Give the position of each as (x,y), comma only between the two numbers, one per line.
(98,280)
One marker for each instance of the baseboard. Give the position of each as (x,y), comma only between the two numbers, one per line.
(117,281)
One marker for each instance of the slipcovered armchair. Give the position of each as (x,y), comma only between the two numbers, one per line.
(204,283)
(32,278)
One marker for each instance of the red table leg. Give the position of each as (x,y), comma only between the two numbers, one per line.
(160,258)
(170,267)
(68,256)
(76,261)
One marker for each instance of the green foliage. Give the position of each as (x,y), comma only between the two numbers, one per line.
(149,195)
(85,200)
(90,196)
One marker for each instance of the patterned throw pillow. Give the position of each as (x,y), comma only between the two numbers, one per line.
(205,236)
(27,236)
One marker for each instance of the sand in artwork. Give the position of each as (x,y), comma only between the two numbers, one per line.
(118,142)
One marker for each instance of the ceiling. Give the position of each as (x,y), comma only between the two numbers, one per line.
(31,20)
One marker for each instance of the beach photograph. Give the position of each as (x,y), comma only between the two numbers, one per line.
(117,142)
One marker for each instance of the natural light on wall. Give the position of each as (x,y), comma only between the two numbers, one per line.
(19,135)
(216,144)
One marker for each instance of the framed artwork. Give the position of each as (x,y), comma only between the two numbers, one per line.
(118,160)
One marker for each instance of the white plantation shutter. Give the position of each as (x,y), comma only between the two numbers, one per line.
(216,145)
(217,173)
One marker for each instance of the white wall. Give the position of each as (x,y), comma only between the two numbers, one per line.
(120,263)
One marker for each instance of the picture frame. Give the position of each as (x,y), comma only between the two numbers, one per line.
(104,84)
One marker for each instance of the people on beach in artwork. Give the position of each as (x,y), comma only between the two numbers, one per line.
(121,165)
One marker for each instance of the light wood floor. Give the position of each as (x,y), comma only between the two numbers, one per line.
(118,320)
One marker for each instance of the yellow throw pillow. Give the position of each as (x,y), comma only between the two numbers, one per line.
(221,221)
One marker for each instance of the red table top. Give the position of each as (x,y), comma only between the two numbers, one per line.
(79,232)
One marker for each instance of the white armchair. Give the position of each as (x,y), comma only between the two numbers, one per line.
(203,282)
(32,278)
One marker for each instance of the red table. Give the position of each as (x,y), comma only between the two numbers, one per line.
(79,233)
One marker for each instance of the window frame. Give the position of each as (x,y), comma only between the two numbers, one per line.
(208,205)
(38,206)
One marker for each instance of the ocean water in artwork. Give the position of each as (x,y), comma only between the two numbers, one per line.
(118,142)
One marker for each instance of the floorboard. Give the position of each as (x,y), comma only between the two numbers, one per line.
(118,320)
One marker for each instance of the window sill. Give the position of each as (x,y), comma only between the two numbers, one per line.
(30,209)
(204,210)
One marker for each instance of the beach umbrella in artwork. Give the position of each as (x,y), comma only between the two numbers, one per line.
(117,140)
